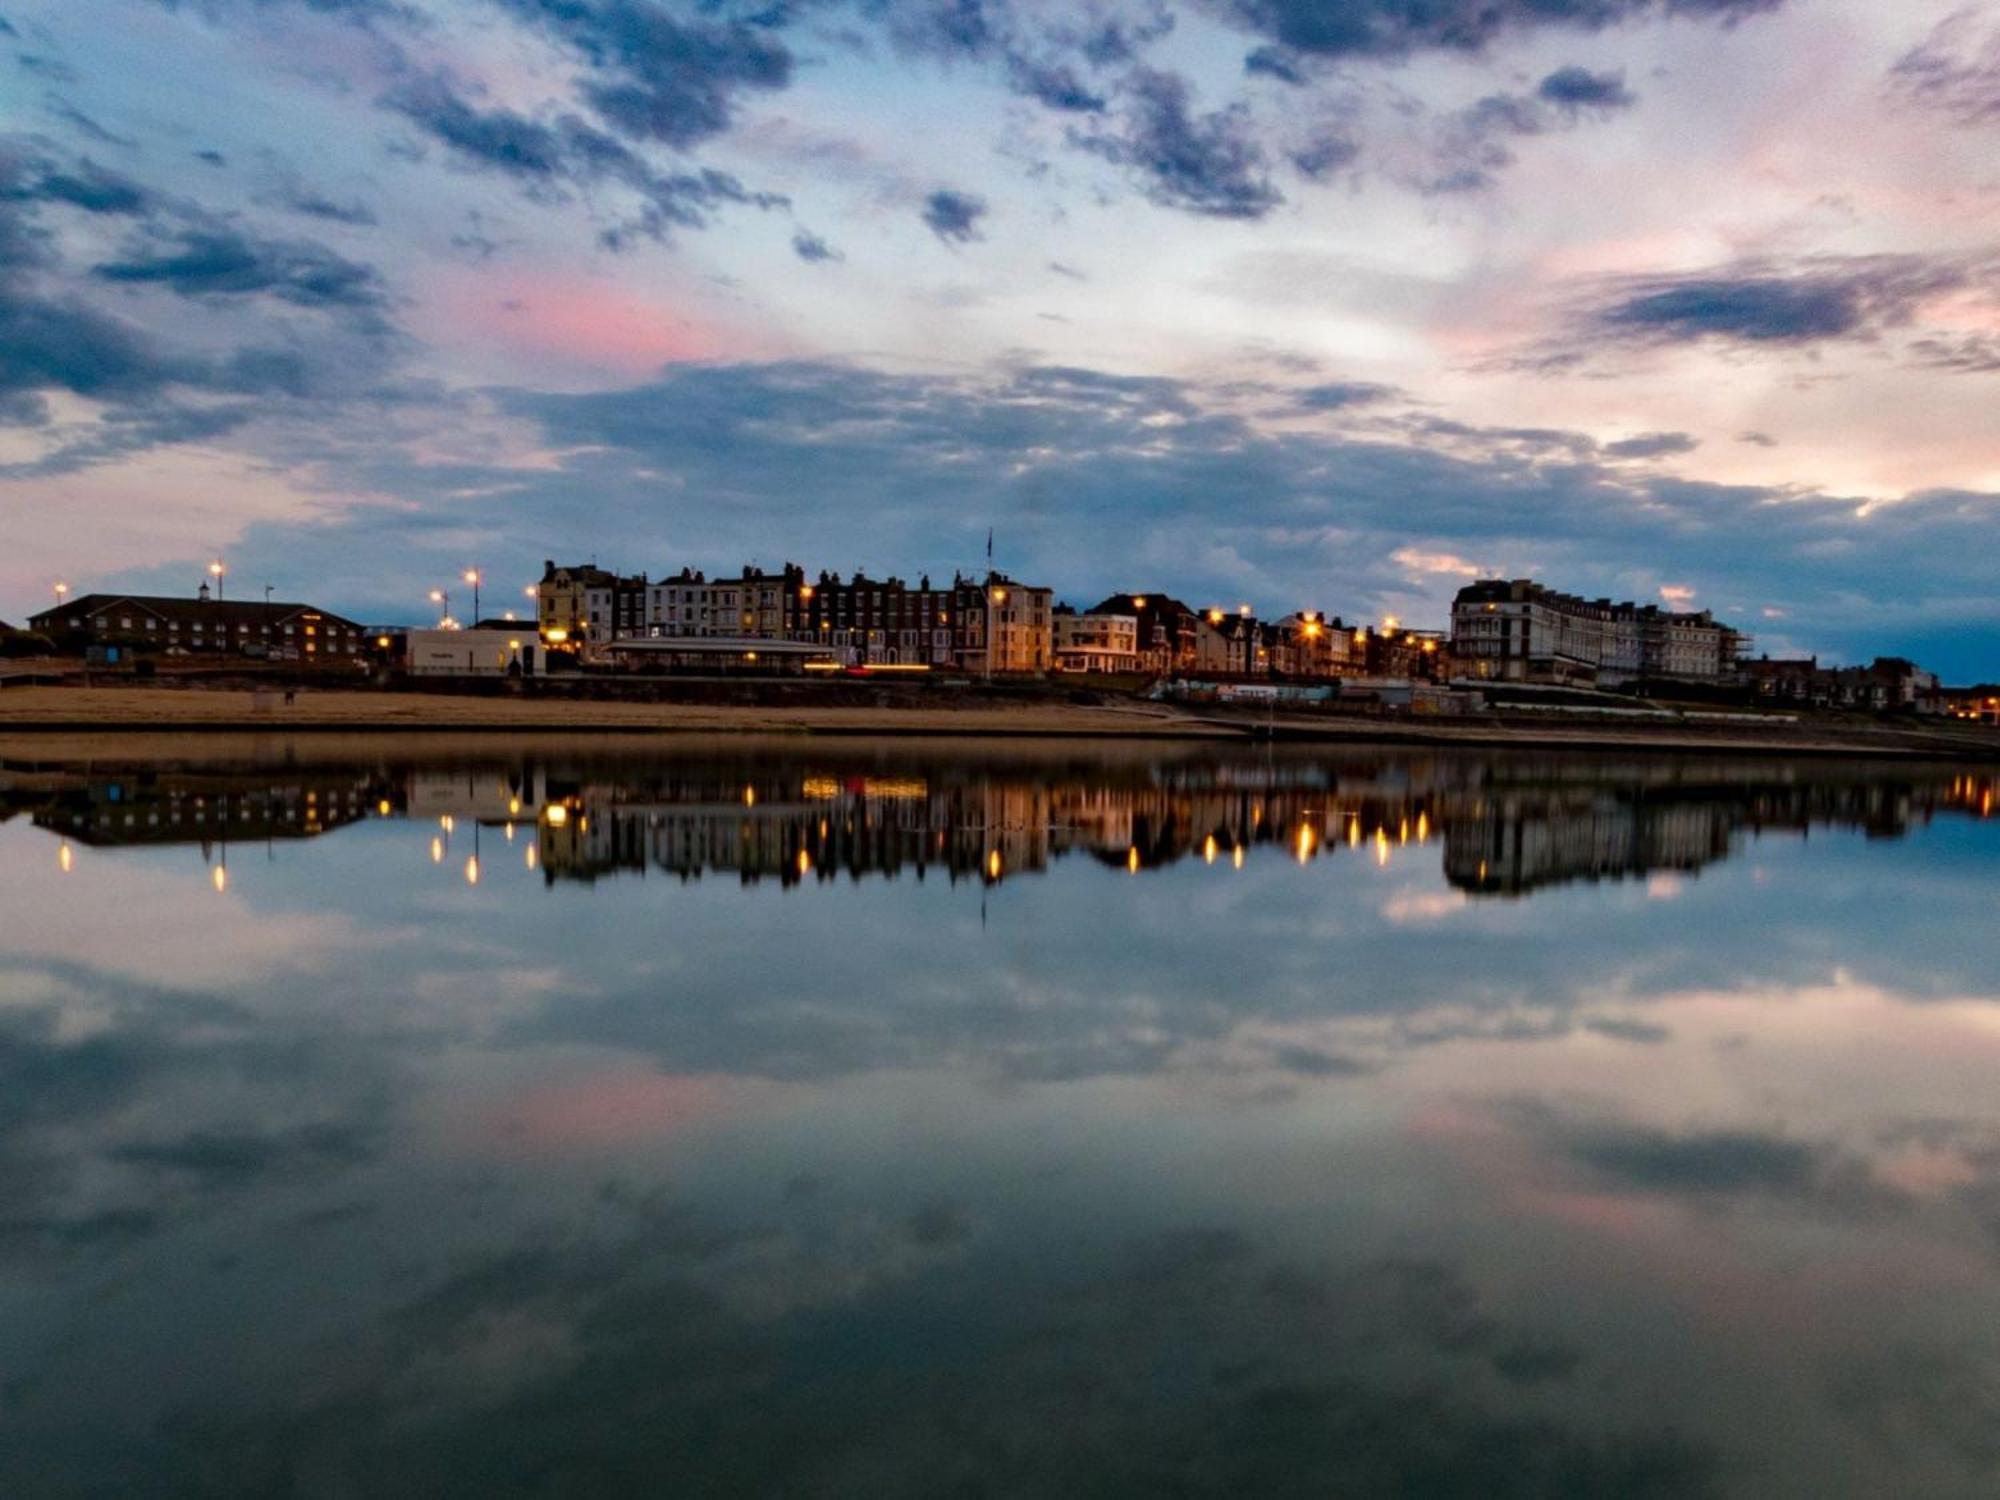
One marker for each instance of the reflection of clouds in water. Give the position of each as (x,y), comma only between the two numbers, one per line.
(837,1189)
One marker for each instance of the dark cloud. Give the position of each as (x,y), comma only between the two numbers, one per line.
(1327,152)
(811,248)
(220,262)
(954,216)
(1966,354)
(87,186)
(1576,88)
(1757,439)
(1336,395)
(1275,62)
(1953,71)
(1473,145)
(1210,164)
(548,158)
(212,158)
(1054,84)
(301,199)
(1760,304)
(1396,28)
(235,1160)
(1775,305)
(1652,445)
(660,77)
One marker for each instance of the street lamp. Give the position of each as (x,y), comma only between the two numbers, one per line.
(474,577)
(62,592)
(217,571)
(443,601)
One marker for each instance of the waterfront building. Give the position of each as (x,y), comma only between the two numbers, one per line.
(1517,630)
(1095,642)
(883,622)
(1167,633)
(516,652)
(585,608)
(1004,626)
(147,624)
(1888,682)
(750,605)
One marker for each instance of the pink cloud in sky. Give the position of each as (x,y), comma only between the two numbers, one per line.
(585,323)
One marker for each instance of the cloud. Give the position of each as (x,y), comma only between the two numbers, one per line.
(1825,299)
(1444,564)
(1210,165)
(1055,85)
(1652,445)
(660,77)
(1575,88)
(1337,395)
(548,157)
(217,262)
(86,186)
(1397,28)
(1952,71)
(954,216)
(301,199)
(811,248)
(1771,305)
(1084,471)
(1327,151)
(1275,62)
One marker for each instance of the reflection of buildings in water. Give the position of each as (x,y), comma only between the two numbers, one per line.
(794,829)
(967,825)
(1510,842)
(182,809)
(1509,825)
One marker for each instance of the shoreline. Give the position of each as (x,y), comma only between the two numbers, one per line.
(33,716)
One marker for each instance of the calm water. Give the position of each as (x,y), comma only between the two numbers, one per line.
(831,1122)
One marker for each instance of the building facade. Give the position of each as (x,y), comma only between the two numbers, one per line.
(585,608)
(1168,630)
(145,624)
(1095,643)
(472,653)
(1517,630)
(1005,627)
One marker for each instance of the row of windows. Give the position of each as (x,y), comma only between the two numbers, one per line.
(334,634)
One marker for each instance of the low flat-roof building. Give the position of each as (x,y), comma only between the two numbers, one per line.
(516,652)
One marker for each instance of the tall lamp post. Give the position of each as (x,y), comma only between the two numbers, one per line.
(217,571)
(443,601)
(62,592)
(993,596)
(474,577)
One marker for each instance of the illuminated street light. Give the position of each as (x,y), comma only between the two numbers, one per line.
(474,577)
(218,572)
(62,592)
(442,600)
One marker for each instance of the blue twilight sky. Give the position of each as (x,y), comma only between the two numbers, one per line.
(1333,304)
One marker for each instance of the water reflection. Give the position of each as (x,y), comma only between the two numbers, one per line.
(1506,827)
(389,1125)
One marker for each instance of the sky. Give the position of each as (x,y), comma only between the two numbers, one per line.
(1329,305)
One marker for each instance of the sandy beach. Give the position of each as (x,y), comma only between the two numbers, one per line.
(32,718)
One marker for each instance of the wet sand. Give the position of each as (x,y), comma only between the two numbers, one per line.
(109,720)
